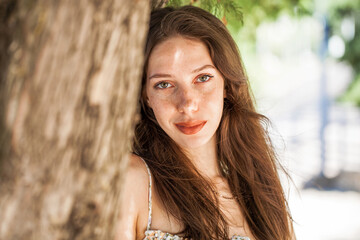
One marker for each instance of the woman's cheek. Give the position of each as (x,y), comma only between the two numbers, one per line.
(212,93)
(162,108)
(158,97)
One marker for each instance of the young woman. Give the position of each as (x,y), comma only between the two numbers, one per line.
(203,165)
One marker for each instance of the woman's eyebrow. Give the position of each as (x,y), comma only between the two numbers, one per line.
(163,75)
(203,67)
(160,75)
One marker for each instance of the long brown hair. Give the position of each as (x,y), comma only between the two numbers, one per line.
(244,148)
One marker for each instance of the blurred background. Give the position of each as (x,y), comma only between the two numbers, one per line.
(303,62)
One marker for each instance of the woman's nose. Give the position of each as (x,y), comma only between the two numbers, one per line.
(188,101)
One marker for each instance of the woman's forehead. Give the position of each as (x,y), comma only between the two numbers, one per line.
(178,52)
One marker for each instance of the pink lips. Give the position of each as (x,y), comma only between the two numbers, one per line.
(191,127)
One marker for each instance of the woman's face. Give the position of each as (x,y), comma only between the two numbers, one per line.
(185,91)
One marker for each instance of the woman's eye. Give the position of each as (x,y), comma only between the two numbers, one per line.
(204,78)
(163,85)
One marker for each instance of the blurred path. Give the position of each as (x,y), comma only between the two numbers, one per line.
(326,215)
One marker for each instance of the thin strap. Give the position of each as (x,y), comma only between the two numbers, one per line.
(150,202)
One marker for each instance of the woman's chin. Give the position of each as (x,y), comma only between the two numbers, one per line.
(193,143)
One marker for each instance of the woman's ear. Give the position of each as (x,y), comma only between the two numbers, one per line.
(148,102)
(144,97)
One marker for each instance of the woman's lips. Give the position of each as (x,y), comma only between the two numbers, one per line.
(190,128)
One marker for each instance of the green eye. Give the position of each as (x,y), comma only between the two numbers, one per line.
(204,78)
(162,85)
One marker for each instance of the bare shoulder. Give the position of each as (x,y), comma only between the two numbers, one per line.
(137,166)
(134,201)
(137,179)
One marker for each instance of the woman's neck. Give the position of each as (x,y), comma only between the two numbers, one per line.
(205,159)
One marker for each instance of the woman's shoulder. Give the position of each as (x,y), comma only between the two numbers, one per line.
(137,167)
(136,181)
(134,200)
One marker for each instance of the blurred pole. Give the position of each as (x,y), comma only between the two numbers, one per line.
(324,99)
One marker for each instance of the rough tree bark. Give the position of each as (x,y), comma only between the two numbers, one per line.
(70,73)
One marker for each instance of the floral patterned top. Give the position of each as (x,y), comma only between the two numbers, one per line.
(160,235)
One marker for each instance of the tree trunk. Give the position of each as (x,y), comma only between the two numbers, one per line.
(70,77)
